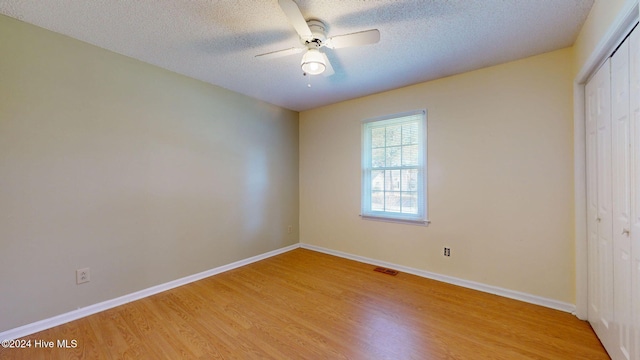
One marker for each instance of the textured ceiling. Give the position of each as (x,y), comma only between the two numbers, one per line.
(216,40)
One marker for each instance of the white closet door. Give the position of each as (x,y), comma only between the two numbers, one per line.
(591,96)
(598,92)
(634,66)
(621,201)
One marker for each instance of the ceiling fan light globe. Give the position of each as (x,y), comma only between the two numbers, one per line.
(313,62)
(313,68)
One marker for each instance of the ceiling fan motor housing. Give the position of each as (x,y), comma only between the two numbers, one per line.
(318,32)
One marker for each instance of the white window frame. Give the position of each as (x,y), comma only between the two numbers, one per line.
(367,167)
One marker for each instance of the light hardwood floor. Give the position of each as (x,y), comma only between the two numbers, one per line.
(308,305)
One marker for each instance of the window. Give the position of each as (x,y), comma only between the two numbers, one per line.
(394,157)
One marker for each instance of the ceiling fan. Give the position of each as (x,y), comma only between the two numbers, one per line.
(313,37)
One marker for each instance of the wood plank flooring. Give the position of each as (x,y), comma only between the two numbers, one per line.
(308,305)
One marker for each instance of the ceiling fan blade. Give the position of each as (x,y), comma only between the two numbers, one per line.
(355,39)
(296,19)
(281,53)
(328,71)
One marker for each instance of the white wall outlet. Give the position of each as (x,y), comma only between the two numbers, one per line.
(83,276)
(447,251)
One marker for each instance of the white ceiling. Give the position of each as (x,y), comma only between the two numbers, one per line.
(216,40)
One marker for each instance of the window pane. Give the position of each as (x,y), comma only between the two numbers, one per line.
(409,202)
(392,201)
(377,137)
(409,155)
(409,180)
(394,155)
(394,135)
(394,167)
(377,180)
(377,200)
(410,133)
(377,157)
(392,180)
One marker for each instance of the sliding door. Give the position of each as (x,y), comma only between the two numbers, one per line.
(620,165)
(613,200)
(634,90)
(600,237)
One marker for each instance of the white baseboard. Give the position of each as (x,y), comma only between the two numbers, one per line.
(105,305)
(532,299)
(96,308)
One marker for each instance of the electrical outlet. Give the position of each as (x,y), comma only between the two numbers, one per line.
(447,251)
(289,229)
(83,275)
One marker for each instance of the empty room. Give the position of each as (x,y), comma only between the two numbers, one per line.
(314,179)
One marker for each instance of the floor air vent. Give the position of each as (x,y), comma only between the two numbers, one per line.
(386,271)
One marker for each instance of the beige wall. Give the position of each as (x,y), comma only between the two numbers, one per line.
(500,177)
(143,175)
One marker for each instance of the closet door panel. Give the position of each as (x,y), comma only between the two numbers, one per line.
(613,200)
(601,248)
(592,199)
(621,198)
(634,91)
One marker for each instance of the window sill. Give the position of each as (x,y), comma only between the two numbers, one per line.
(396,220)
